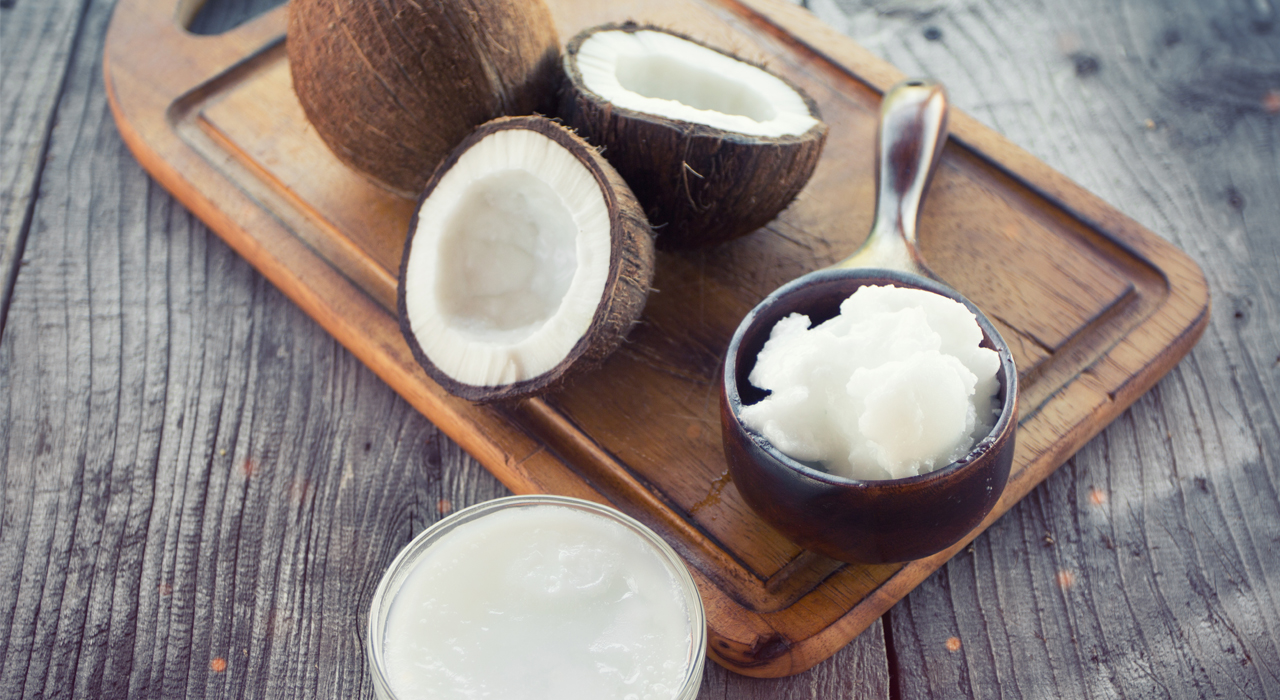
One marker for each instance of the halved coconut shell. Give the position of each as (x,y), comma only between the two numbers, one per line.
(526,264)
(714,147)
(392,86)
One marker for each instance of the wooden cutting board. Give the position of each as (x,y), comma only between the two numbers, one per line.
(1095,307)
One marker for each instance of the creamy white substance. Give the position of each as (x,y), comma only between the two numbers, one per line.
(506,257)
(659,73)
(509,260)
(894,386)
(539,602)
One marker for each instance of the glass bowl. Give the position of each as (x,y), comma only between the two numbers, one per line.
(394,580)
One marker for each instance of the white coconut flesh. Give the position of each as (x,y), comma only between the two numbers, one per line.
(658,73)
(509,260)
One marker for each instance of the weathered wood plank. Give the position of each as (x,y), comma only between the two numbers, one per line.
(1147,566)
(201,486)
(244,188)
(860,670)
(36,40)
(135,554)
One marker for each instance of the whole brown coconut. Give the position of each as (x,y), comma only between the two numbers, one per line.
(393,85)
(714,147)
(526,264)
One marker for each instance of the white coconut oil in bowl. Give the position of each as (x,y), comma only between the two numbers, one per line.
(537,597)
(903,494)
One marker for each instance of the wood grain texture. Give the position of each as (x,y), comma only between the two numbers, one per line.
(1175,573)
(36,41)
(186,496)
(1110,305)
(1146,566)
(201,486)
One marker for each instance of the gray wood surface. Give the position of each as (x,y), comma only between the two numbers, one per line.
(1148,565)
(200,487)
(35,47)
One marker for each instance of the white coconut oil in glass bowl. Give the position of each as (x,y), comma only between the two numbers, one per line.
(537,597)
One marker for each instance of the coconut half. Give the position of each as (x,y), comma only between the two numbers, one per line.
(392,86)
(714,147)
(527,262)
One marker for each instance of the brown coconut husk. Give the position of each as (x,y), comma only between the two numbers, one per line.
(392,86)
(699,185)
(631,262)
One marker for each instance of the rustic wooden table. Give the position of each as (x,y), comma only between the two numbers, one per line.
(200,486)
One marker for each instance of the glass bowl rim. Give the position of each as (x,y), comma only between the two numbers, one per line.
(393,578)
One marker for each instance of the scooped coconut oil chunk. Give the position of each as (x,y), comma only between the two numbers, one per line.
(896,385)
(542,602)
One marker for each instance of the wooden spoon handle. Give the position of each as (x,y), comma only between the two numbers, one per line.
(913,130)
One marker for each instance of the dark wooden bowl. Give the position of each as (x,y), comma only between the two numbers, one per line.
(859,521)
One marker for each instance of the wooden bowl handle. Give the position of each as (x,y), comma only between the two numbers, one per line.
(912,132)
